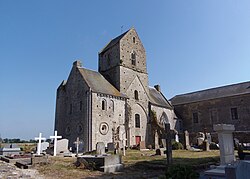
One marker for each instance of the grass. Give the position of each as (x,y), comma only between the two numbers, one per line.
(137,165)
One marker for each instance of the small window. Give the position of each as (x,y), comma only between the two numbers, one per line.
(137,121)
(112,106)
(213,116)
(136,95)
(234,113)
(195,118)
(104,104)
(133,39)
(133,58)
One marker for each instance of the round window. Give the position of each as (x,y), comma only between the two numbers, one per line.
(67,130)
(104,128)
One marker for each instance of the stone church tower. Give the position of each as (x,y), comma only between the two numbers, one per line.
(115,104)
(123,63)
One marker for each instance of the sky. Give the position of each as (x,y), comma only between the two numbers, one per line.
(190,46)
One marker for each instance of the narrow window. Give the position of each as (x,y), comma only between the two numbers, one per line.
(112,107)
(195,118)
(104,104)
(80,105)
(137,121)
(213,116)
(136,95)
(234,113)
(133,58)
(133,39)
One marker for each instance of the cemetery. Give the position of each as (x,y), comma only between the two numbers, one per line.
(229,160)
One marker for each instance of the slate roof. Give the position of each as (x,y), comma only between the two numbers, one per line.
(213,93)
(157,98)
(98,83)
(113,42)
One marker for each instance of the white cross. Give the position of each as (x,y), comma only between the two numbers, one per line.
(77,142)
(40,138)
(55,137)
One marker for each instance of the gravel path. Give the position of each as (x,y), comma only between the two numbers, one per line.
(10,171)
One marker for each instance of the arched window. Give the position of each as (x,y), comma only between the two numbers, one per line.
(133,58)
(137,121)
(104,104)
(136,95)
(133,39)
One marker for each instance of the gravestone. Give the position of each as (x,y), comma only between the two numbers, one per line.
(177,138)
(10,150)
(142,145)
(100,148)
(111,147)
(40,139)
(158,152)
(62,146)
(209,138)
(55,137)
(226,143)
(169,144)
(44,146)
(187,143)
(200,138)
(77,143)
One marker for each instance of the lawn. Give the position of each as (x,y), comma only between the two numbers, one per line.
(137,165)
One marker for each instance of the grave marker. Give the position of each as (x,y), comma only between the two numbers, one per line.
(77,143)
(55,137)
(169,145)
(40,138)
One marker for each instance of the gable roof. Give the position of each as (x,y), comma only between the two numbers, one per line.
(98,83)
(213,93)
(113,42)
(157,98)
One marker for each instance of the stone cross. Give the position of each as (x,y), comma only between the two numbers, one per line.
(55,137)
(77,143)
(40,138)
(168,144)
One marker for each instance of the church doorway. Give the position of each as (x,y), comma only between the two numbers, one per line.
(137,140)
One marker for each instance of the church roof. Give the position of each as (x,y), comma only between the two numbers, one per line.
(157,98)
(98,83)
(113,42)
(213,93)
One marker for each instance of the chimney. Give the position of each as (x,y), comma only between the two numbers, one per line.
(158,88)
(77,63)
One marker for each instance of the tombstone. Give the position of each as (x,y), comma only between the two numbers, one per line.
(10,150)
(226,143)
(55,137)
(225,135)
(169,144)
(77,143)
(158,152)
(209,138)
(187,144)
(142,145)
(111,147)
(200,138)
(176,138)
(156,140)
(206,145)
(100,148)
(44,146)
(62,146)
(40,138)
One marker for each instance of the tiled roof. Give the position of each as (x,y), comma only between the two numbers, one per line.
(157,98)
(213,93)
(98,83)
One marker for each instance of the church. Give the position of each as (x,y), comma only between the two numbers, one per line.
(115,104)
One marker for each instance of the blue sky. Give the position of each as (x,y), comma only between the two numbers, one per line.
(190,45)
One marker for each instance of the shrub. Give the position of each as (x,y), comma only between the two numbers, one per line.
(181,172)
(177,145)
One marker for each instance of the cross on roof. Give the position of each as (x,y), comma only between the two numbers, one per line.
(40,138)
(55,137)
